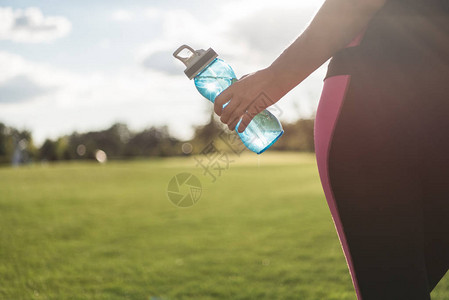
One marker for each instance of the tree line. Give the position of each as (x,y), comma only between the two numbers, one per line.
(119,142)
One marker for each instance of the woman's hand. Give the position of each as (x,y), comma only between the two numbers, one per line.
(248,97)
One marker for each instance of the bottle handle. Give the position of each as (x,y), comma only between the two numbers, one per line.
(183,59)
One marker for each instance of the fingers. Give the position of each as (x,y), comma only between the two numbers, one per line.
(248,116)
(228,111)
(246,119)
(233,111)
(233,117)
(243,100)
(239,109)
(222,99)
(234,122)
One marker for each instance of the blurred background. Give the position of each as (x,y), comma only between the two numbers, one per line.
(118,182)
(68,68)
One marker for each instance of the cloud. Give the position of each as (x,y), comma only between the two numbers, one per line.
(270,30)
(64,101)
(20,88)
(31,26)
(162,61)
(249,34)
(178,27)
(22,81)
(152,13)
(122,15)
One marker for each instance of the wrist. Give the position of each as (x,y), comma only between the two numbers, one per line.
(273,83)
(283,80)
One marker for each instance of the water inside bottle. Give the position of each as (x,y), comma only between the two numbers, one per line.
(212,86)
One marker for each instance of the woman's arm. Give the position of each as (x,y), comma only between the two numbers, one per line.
(333,27)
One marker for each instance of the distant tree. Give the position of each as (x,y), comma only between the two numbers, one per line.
(62,148)
(112,141)
(155,141)
(16,146)
(48,151)
(76,140)
(120,142)
(207,133)
(2,139)
(298,136)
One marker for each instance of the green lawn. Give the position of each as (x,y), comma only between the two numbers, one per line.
(88,231)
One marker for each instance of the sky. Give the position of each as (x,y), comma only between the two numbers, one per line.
(83,65)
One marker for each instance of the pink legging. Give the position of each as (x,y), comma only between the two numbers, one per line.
(382,153)
(332,96)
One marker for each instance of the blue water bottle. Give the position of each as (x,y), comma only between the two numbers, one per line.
(212,76)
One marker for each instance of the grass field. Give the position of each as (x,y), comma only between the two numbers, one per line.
(88,231)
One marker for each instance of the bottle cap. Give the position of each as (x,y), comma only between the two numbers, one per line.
(196,60)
